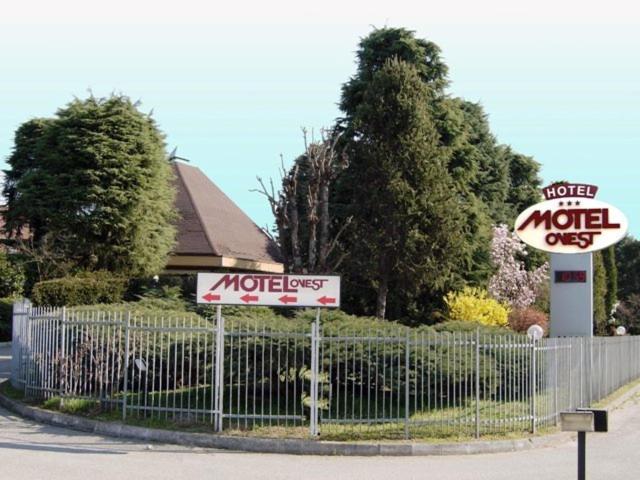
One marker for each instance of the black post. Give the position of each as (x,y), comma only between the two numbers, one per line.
(582,440)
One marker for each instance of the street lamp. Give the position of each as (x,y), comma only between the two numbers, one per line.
(535,332)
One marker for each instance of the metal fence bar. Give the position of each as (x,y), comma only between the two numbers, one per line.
(534,391)
(477,382)
(125,387)
(219,369)
(313,427)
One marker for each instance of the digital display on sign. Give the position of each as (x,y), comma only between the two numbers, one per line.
(570,276)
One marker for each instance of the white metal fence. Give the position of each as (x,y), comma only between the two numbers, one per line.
(392,383)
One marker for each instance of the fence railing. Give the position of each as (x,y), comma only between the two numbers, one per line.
(306,380)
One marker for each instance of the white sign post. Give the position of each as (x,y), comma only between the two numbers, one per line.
(269,290)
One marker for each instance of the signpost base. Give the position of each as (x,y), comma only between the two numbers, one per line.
(582,450)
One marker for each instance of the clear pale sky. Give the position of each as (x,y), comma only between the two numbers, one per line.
(231,86)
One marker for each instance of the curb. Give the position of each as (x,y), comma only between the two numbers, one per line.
(281,446)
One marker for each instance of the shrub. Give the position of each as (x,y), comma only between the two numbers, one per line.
(163,298)
(83,289)
(459,326)
(628,314)
(280,363)
(6,313)
(474,305)
(12,277)
(520,319)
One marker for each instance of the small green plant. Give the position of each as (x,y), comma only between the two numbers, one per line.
(8,390)
(12,277)
(73,406)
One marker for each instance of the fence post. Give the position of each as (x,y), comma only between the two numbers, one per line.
(219,369)
(407,403)
(589,365)
(19,321)
(556,352)
(315,344)
(533,385)
(477,368)
(127,327)
(62,370)
(16,326)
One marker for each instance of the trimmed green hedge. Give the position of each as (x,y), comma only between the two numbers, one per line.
(6,312)
(83,289)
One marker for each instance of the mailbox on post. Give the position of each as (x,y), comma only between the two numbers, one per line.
(584,420)
(577,422)
(600,419)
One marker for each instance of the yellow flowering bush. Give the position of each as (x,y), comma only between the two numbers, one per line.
(475,305)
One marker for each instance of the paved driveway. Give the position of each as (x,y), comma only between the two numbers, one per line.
(32,451)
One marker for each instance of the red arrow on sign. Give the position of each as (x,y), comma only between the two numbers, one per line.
(210,297)
(249,298)
(287,299)
(326,300)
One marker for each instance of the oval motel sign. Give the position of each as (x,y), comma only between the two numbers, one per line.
(571,220)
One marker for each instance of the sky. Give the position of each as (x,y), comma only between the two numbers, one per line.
(231,85)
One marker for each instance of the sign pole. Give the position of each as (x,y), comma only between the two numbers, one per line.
(315,348)
(219,369)
(584,420)
(582,450)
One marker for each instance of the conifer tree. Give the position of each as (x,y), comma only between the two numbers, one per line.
(407,220)
(600,314)
(94,183)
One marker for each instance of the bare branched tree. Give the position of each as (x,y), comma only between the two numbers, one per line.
(301,207)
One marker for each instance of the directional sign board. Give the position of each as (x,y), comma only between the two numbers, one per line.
(266,289)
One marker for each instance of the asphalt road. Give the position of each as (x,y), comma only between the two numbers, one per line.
(32,451)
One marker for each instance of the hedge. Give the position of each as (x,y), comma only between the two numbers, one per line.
(447,380)
(82,289)
(6,312)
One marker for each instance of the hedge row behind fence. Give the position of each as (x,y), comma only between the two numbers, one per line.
(6,311)
(370,364)
(97,287)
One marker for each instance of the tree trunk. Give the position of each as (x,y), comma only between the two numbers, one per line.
(383,289)
(324,227)
(312,220)
(295,238)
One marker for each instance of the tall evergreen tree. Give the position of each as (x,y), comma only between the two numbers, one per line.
(628,266)
(600,314)
(407,220)
(609,259)
(478,166)
(492,184)
(95,182)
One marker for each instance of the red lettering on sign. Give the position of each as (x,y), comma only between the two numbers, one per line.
(267,283)
(580,239)
(564,219)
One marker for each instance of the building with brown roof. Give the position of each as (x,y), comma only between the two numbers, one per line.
(213,232)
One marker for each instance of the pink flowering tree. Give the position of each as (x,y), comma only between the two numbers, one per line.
(512,283)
